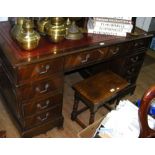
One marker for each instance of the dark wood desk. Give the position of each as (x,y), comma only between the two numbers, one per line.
(32,82)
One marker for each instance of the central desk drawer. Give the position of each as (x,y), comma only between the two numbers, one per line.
(81,59)
(33,107)
(39,70)
(41,88)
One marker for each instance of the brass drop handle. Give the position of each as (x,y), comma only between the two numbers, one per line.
(46,68)
(41,107)
(138,43)
(44,90)
(135,59)
(141,43)
(44,118)
(130,71)
(86,59)
(100,51)
(114,51)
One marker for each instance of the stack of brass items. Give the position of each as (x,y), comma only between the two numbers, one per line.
(25,35)
(56,29)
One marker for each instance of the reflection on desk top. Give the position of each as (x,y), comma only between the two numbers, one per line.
(47,50)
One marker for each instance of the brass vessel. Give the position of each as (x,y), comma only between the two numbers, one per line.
(56,29)
(28,39)
(17,28)
(68,23)
(41,25)
(73,32)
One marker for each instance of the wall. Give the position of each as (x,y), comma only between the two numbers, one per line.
(146,23)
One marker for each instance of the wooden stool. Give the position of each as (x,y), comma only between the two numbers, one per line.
(95,91)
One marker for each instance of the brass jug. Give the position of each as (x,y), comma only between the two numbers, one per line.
(41,25)
(28,39)
(16,30)
(56,29)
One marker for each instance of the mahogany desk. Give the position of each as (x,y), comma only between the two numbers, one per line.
(32,82)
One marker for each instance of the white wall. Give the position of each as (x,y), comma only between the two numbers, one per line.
(144,23)
(3,18)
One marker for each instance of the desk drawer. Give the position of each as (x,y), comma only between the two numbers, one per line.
(132,70)
(81,59)
(47,103)
(43,117)
(41,88)
(139,44)
(134,59)
(117,49)
(39,70)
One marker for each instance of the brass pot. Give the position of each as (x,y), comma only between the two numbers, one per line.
(17,28)
(41,25)
(56,29)
(28,39)
(57,21)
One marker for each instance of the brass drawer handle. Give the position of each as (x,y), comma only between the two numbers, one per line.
(135,59)
(41,71)
(86,59)
(115,51)
(130,71)
(41,107)
(100,51)
(43,118)
(138,44)
(44,90)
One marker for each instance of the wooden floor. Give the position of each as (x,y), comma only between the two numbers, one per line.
(71,129)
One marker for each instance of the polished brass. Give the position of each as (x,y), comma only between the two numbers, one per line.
(68,23)
(16,30)
(57,21)
(35,21)
(74,33)
(28,39)
(133,34)
(56,29)
(41,25)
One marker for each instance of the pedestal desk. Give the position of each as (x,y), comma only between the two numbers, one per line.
(32,82)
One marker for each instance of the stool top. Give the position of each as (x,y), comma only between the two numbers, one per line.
(100,87)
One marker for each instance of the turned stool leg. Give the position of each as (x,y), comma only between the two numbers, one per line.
(75,107)
(117,101)
(92,115)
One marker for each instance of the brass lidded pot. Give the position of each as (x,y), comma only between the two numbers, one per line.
(41,25)
(28,39)
(17,28)
(56,29)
